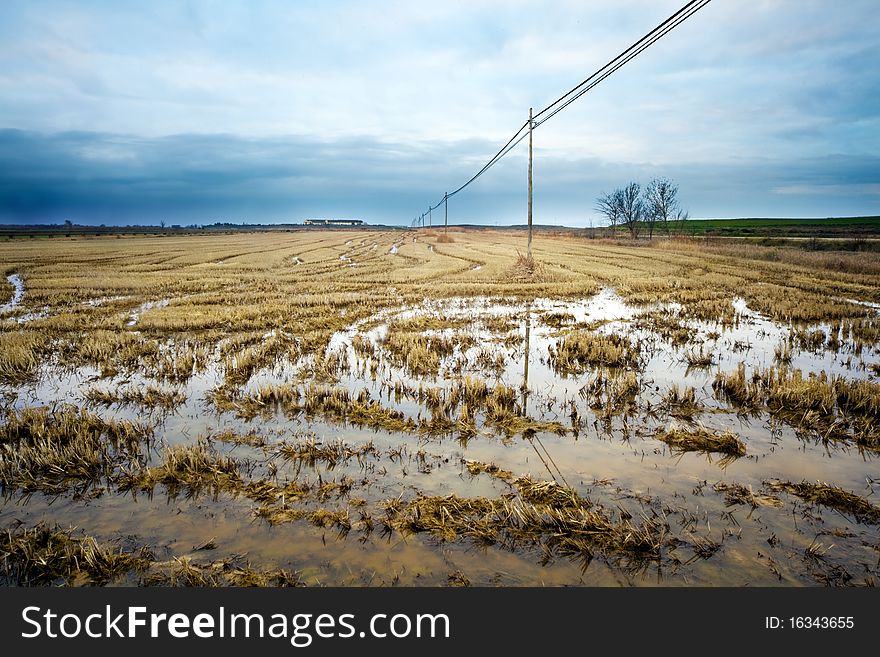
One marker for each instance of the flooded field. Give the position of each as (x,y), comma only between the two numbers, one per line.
(373,408)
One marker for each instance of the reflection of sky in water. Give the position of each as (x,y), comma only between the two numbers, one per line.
(17,293)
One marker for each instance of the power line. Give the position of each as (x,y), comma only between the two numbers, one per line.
(501,153)
(615,65)
(677,16)
(586,85)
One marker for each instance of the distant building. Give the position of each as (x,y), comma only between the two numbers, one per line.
(333,222)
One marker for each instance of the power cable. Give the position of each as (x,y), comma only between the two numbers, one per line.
(584,86)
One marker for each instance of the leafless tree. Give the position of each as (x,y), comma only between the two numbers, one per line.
(632,208)
(661,204)
(611,206)
(680,218)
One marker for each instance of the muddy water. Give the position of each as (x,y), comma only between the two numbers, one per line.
(618,464)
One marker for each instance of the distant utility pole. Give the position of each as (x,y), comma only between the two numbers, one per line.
(445,211)
(429,217)
(530,185)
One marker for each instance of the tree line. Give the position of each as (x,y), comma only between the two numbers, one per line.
(637,210)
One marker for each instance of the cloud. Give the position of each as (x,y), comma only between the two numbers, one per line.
(853,189)
(279,109)
(95,177)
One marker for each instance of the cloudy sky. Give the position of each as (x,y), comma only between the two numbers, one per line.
(138,112)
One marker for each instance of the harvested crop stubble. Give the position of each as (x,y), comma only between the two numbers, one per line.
(311,451)
(582,349)
(44,556)
(832,497)
(238,321)
(47,556)
(830,408)
(702,440)
(739,494)
(545,514)
(191,467)
(21,353)
(478,467)
(421,354)
(183,571)
(251,439)
(682,404)
(53,450)
(149,397)
(611,392)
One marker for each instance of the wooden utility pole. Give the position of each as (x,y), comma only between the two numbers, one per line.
(429,217)
(525,383)
(529,250)
(445,211)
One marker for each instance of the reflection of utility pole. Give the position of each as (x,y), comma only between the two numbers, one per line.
(530,434)
(530,186)
(524,389)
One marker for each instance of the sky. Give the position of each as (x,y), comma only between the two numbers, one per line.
(261,111)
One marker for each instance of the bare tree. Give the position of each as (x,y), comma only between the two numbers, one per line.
(611,206)
(661,203)
(632,208)
(680,218)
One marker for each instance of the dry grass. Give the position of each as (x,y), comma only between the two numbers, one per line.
(335,403)
(267,400)
(240,366)
(830,261)
(668,324)
(698,358)
(458,578)
(526,268)
(503,413)
(736,388)
(251,439)
(418,354)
